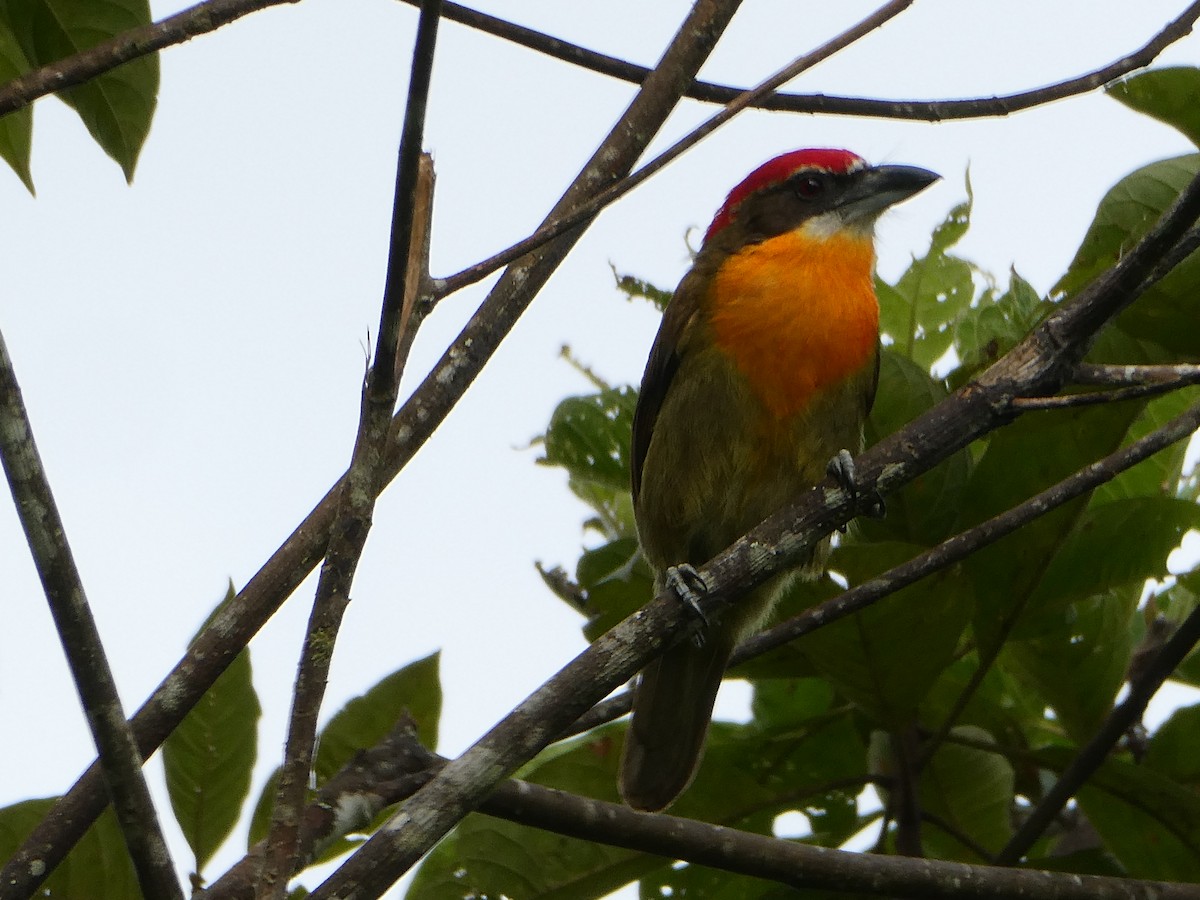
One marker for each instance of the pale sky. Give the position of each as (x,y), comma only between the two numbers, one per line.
(191,347)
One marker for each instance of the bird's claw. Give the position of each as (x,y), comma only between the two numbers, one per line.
(689,587)
(842,469)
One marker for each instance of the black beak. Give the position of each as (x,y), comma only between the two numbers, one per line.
(879,187)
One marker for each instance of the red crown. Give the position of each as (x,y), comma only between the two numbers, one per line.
(779,169)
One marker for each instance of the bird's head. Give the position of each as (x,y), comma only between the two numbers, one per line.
(822,191)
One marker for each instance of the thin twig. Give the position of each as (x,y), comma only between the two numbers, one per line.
(47,539)
(1093,754)
(282,854)
(924,110)
(126,46)
(1180,374)
(564,223)
(1073,401)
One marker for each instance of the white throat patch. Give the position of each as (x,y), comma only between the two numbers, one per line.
(827,224)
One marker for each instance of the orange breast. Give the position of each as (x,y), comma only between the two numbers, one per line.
(796,314)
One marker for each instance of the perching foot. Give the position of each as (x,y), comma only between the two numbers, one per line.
(685,582)
(841,469)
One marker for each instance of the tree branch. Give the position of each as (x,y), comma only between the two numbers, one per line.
(925,110)
(393,769)
(1070,401)
(47,539)
(559,224)
(129,45)
(1141,690)
(1179,375)
(364,480)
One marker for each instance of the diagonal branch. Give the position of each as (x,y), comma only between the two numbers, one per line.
(925,110)
(363,481)
(1090,757)
(129,45)
(47,539)
(564,219)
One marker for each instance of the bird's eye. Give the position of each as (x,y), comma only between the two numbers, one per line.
(808,187)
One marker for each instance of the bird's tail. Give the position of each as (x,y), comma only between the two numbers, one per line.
(671,709)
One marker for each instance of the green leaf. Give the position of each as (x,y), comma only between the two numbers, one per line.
(1172,749)
(999,704)
(970,790)
(923,511)
(364,721)
(1079,669)
(886,657)
(617,581)
(1165,314)
(590,436)
(97,868)
(993,326)
(209,759)
(486,857)
(1167,94)
(635,288)
(116,107)
(918,313)
(784,703)
(1160,474)
(1148,821)
(16,128)
(1114,545)
(1022,459)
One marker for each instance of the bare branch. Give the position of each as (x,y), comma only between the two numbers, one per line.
(925,110)
(564,221)
(1129,711)
(1071,401)
(363,481)
(129,45)
(1178,375)
(47,539)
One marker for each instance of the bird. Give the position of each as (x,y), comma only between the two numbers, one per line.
(758,383)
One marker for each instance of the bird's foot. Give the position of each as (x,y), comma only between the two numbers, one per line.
(689,587)
(841,468)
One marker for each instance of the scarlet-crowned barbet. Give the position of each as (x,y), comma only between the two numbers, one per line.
(763,370)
